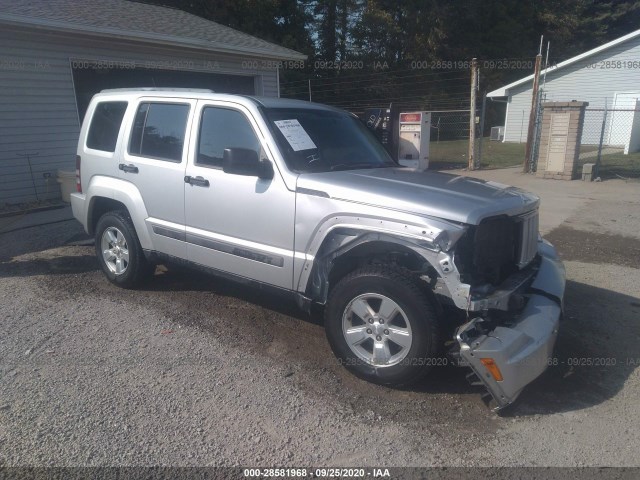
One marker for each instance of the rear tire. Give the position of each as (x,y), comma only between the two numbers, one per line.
(383,326)
(119,252)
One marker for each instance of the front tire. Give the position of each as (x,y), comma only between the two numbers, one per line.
(383,326)
(119,252)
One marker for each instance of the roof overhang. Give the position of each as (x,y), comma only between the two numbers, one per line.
(146,37)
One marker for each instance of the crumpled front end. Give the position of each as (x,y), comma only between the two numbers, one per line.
(508,354)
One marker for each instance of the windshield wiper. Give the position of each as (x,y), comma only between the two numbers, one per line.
(355,166)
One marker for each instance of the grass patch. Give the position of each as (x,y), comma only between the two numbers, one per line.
(619,164)
(452,154)
(501,155)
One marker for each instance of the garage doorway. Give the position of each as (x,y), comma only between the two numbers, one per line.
(89,81)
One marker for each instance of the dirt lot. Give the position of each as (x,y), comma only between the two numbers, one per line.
(193,370)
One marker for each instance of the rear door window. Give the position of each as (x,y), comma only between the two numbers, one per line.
(159,130)
(105,126)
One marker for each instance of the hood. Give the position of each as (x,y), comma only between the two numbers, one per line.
(450,197)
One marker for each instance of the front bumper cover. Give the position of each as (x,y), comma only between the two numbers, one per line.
(522,349)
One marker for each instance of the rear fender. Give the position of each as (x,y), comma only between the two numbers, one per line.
(125,193)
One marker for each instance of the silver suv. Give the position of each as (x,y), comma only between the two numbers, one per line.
(302,198)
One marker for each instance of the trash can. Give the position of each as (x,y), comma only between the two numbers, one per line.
(67,181)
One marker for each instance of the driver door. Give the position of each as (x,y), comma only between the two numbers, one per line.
(234,223)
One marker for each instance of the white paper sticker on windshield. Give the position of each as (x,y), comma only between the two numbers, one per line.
(297,136)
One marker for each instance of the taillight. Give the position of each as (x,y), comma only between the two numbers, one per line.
(78,181)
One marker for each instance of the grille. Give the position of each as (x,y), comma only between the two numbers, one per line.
(528,242)
(497,248)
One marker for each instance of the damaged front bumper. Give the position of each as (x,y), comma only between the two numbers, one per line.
(508,357)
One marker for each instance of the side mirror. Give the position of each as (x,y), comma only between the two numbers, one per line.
(243,161)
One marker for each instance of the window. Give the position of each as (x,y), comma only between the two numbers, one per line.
(222,128)
(158,131)
(317,140)
(105,126)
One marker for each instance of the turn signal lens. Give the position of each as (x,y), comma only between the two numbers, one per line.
(493,368)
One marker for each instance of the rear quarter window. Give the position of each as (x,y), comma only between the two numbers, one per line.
(105,126)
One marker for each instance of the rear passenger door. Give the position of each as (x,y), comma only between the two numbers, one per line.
(154,162)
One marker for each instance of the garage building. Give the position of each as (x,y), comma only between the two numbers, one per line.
(608,75)
(56,54)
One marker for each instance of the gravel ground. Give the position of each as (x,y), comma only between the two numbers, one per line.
(193,370)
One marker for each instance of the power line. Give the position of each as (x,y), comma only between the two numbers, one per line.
(426,71)
(460,89)
(453,96)
(386,101)
(436,106)
(328,88)
(409,74)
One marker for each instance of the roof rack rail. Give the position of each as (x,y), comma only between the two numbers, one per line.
(158,89)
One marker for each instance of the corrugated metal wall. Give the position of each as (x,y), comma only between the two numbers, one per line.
(38,112)
(579,82)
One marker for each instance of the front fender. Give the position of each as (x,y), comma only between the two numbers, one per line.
(339,234)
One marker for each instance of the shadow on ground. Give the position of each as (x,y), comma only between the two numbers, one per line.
(595,247)
(181,279)
(59,265)
(596,352)
(38,238)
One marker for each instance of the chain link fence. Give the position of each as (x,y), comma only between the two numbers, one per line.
(444,93)
(611,140)
(449,143)
(441,89)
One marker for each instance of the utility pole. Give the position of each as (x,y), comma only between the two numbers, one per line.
(533,113)
(484,106)
(472,114)
(309,89)
(604,123)
(533,160)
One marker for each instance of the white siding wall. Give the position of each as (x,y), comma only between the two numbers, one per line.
(577,82)
(37,100)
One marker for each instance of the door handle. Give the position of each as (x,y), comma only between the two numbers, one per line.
(197,181)
(131,168)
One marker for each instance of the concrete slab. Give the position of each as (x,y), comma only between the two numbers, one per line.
(560,199)
(36,218)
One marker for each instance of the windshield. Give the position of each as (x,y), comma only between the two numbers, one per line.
(322,140)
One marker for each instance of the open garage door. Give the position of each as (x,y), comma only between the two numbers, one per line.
(89,81)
